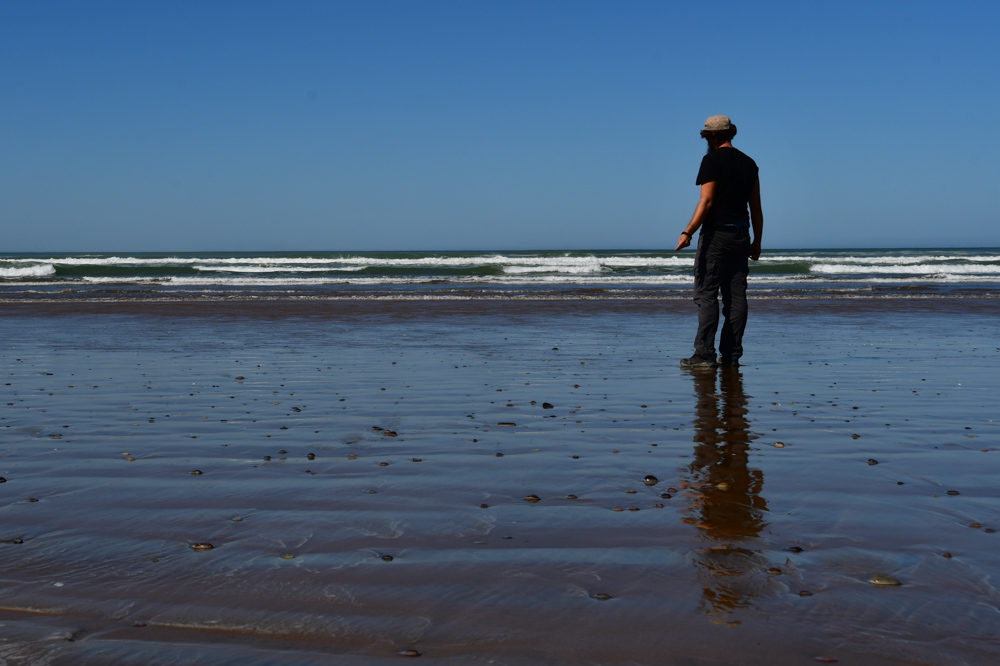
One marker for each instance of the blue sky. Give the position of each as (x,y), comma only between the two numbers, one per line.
(395,125)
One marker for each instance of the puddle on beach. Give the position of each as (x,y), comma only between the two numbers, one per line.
(740,550)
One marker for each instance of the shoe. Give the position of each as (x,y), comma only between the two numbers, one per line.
(698,362)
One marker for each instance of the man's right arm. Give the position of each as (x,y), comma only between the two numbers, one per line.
(756,220)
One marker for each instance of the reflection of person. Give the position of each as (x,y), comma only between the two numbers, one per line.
(730,506)
(727,506)
(729,185)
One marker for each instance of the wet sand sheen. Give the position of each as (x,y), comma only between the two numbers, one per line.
(759,554)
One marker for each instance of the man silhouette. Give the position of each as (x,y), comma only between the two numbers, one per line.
(729,187)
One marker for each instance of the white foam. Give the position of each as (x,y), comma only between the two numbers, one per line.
(277,269)
(928,269)
(38,270)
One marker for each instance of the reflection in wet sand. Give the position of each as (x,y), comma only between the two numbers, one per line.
(726,504)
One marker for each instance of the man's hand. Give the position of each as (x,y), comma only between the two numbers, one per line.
(755,250)
(683,242)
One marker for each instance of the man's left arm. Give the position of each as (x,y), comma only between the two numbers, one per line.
(704,205)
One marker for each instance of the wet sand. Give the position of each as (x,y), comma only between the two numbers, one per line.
(742,552)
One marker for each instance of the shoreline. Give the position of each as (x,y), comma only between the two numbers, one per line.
(742,552)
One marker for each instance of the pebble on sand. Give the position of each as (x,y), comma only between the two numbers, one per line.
(872,461)
(196,472)
(410,653)
(288,556)
(202,546)
(953,492)
(548,405)
(650,480)
(532,498)
(387,558)
(603,596)
(506,424)
(779,445)
(884,581)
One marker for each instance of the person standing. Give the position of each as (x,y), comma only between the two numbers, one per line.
(729,206)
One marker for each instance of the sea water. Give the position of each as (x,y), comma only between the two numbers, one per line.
(578,274)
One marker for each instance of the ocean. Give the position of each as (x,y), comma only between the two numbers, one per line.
(577,274)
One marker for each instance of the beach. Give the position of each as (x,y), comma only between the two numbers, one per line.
(466,480)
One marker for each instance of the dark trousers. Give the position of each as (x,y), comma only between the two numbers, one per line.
(721,265)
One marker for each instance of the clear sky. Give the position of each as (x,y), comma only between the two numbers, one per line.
(419,124)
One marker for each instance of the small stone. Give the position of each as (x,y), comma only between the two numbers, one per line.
(411,652)
(617,508)
(372,492)
(722,486)
(666,495)
(779,445)
(130,459)
(989,530)
(267,458)
(499,455)
(32,499)
(671,490)
(975,526)
(603,596)
(630,492)
(236,519)
(657,506)
(240,377)
(139,624)
(650,480)
(506,424)
(484,506)
(947,555)
(388,433)
(288,556)
(794,549)
(548,405)
(855,436)
(416,459)
(3,480)
(633,508)
(202,546)
(387,558)
(196,472)
(282,452)
(383,464)
(576,457)
(310,456)
(952,492)
(774,570)
(884,581)
(572,497)
(872,461)
(532,498)
(805,593)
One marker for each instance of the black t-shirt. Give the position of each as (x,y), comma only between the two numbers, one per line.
(735,175)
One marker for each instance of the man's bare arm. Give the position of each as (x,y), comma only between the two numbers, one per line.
(704,205)
(756,220)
